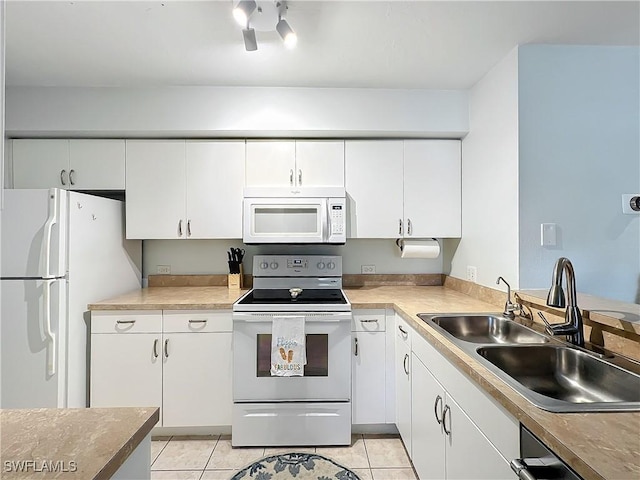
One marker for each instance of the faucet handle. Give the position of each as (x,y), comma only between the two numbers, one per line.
(559,329)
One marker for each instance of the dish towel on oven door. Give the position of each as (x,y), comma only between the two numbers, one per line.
(288,348)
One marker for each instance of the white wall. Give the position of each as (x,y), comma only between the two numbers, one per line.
(579,151)
(209,256)
(235,112)
(490,179)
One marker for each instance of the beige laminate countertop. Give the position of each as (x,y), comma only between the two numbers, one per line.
(596,445)
(70,443)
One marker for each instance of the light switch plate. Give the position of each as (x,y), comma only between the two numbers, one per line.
(548,234)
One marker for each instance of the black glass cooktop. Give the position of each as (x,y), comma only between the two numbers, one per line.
(275,296)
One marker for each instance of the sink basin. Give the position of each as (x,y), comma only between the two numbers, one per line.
(563,379)
(483,328)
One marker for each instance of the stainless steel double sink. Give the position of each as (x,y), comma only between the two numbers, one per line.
(553,376)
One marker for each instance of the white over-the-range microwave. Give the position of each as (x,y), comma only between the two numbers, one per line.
(315,216)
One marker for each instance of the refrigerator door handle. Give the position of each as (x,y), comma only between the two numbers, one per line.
(48,228)
(51,337)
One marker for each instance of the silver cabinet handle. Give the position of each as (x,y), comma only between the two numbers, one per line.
(409,229)
(356,343)
(291,177)
(188,228)
(369,320)
(155,348)
(444,420)
(71,174)
(62,174)
(300,177)
(519,466)
(166,348)
(435,409)
(180,228)
(198,321)
(124,322)
(405,363)
(400,227)
(404,332)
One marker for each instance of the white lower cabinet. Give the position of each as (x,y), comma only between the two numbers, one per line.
(403,374)
(368,374)
(179,361)
(445,441)
(457,430)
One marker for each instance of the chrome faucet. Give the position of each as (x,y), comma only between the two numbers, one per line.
(509,307)
(572,326)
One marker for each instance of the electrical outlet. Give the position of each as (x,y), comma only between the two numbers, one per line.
(368,269)
(472,274)
(163,269)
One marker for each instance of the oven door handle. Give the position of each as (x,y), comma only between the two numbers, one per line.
(306,320)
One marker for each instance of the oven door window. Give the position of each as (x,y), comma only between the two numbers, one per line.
(317,355)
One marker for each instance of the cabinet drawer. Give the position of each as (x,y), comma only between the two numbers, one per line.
(368,321)
(403,332)
(185,321)
(144,321)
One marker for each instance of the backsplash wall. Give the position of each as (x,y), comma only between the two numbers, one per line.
(210,257)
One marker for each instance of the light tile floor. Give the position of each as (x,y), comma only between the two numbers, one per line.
(371,457)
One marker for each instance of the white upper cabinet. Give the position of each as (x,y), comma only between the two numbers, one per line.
(156,189)
(409,188)
(320,163)
(295,163)
(178,189)
(373,178)
(432,188)
(71,164)
(215,177)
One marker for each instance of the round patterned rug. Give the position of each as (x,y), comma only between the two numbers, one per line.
(301,466)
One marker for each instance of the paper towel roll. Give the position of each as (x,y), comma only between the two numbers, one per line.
(419,248)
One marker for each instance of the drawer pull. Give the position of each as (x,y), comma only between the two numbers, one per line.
(198,321)
(404,332)
(155,348)
(444,420)
(125,322)
(435,409)
(369,320)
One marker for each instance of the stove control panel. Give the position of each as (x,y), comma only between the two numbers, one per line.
(297,265)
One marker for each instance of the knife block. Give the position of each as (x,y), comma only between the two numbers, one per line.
(234,280)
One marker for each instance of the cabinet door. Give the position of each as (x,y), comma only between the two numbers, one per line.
(319,163)
(427,435)
(155,192)
(368,378)
(468,452)
(197,379)
(96,164)
(373,180)
(270,163)
(215,178)
(432,188)
(40,163)
(403,392)
(126,370)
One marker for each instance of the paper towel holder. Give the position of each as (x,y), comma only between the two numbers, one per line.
(400,242)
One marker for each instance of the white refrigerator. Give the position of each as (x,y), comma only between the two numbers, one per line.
(60,251)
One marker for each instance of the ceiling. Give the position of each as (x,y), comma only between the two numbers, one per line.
(368,44)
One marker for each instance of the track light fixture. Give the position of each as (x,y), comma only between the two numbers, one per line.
(263,16)
(243,11)
(289,37)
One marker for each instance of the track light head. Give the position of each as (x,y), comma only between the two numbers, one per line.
(250,43)
(243,11)
(289,37)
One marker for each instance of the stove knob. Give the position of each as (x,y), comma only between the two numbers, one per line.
(274,265)
(331,265)
(264,265)
(321,265)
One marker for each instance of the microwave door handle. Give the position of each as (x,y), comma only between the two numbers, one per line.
(326,228)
